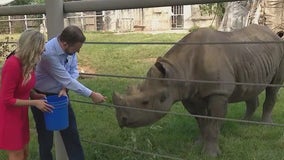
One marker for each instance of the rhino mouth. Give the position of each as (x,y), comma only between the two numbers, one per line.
(126,123)
(122,123)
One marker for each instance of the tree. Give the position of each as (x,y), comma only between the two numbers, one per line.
(26,2)
(273,14)
(235,16)
(242,13)
(216,9)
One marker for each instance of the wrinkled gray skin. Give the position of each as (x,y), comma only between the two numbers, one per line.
(247,63)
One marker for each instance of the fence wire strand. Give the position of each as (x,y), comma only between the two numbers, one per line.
(183,114)
(187,43)
(179,43)
(182,80)
(133,150)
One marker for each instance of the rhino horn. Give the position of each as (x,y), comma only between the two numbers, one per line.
(132,89)
(116,98)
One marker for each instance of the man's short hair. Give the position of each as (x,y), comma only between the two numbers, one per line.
(71,35)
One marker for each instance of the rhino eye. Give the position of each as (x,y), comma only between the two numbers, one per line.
(145,102)
(163,98)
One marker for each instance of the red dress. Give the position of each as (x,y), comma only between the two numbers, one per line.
(14,120)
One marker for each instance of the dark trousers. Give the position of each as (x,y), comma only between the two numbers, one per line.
(70,136)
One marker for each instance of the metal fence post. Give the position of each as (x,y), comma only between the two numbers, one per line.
(55,24)
(60,151)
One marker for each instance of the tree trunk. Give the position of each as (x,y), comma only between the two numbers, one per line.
(265,12)
(274,14)
(239,14)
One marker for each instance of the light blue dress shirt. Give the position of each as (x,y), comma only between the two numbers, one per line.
(57,69)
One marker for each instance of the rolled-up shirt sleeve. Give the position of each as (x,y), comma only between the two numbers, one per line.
(74,67)
(55,70)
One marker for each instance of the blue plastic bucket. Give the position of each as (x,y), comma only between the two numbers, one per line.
(58,119)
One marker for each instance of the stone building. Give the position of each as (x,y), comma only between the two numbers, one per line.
(144,19)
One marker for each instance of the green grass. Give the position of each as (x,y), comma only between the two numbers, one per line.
(173,135)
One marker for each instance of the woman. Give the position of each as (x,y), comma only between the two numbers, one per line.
(17,81)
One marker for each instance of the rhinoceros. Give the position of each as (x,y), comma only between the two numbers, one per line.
(172,78)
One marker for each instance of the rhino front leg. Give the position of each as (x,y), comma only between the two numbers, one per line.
(196,108)
(251,104)
(269,102)
(217,107)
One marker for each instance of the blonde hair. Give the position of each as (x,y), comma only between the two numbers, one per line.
(30,46)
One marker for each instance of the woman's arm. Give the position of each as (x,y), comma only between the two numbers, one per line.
(40,104)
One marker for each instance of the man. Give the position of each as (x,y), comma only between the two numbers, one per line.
(56,73)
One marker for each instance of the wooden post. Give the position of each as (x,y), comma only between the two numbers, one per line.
(10,24)
(26,22)
(44,22)
(82,21)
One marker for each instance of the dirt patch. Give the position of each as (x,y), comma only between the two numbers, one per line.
(86,69)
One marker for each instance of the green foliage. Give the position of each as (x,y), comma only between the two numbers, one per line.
(6,46)
(39,1)
(21,2)
(26,2)
(217,9)
(4,25)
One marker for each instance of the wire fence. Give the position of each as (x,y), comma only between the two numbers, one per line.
(178,80)
(184,81)
(169,112)
(84,139)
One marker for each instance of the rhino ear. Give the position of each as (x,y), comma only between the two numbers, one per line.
(161,68)
(163,65)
